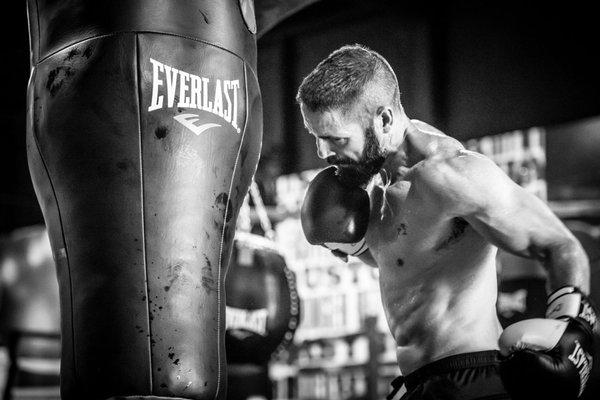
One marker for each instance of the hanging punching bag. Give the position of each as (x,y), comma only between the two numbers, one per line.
(144,130)
(29,300)
(263,307)
(262,314)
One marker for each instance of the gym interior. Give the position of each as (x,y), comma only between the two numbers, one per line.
(517,83)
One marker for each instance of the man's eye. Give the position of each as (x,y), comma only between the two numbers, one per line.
(339,141)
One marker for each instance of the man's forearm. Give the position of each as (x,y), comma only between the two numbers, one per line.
(568,265)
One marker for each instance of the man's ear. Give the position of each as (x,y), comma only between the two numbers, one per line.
(387,118)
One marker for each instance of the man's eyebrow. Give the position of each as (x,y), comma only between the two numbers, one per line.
(339,135)
(326,137)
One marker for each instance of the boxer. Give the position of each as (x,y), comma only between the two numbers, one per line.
(144,130)
(436,215)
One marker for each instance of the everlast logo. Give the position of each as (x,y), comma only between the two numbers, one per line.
(583,363)
(249,320)
(216,96)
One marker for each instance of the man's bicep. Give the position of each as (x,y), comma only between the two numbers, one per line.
(473,187)
(519,222)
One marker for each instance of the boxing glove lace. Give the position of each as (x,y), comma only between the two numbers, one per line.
(334,214)
(550,358)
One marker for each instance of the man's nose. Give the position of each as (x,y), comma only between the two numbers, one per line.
(323,149)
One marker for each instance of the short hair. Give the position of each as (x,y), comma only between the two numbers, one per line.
(350,73)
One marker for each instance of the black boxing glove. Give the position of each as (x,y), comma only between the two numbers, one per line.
(335,214)
(550,358)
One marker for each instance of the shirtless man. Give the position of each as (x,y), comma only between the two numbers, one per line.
(435,213)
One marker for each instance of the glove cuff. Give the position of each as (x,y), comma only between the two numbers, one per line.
(351,249)
(569,302)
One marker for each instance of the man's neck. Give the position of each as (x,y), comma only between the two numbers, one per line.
(403,157)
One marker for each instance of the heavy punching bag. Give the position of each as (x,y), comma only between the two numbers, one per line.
(29,301)
(263,307)
(144,130)
(263,311)
(29,313)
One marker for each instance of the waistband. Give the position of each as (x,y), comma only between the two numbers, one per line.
(448,364)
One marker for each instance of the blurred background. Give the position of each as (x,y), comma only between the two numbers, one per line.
(516,82)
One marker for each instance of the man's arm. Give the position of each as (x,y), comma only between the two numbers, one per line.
(542,357)
(471,186)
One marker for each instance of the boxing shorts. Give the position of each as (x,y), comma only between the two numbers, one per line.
(467,376)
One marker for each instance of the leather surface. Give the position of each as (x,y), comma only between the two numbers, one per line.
(264,308)
(57,24)
(140,208)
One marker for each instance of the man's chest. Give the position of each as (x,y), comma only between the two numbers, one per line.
(405,225)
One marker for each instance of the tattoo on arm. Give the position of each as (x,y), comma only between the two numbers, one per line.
(459,226)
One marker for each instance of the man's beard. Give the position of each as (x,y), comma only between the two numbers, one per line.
(359,173)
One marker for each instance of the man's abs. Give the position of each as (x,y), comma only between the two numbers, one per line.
(444,309)
(438,282)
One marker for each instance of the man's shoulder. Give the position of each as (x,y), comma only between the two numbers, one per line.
(449,164)
(453,177)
